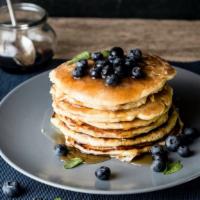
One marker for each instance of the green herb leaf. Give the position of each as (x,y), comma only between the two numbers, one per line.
(72,163)
(105,53)
(57,198)
(173,167)
(81,56)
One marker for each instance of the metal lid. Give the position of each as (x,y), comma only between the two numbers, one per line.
(25,7)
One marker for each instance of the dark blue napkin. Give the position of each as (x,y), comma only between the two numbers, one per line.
(33,189)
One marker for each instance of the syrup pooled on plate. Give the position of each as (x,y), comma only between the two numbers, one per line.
(75,153)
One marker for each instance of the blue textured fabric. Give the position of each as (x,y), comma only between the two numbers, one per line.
(33,189)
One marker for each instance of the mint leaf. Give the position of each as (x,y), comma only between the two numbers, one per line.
(81,56)
(72,163)
(105,53)
(173,167)
(57,198)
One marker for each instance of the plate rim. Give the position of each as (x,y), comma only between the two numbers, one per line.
(82,190)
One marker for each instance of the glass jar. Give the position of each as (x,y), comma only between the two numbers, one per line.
(32,26)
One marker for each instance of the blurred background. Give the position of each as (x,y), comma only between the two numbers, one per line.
(152,9)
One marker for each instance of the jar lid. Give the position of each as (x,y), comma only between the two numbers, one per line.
(33,13)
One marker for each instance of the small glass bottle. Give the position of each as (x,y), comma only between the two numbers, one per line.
(31,23)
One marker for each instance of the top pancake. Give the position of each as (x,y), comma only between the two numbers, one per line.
(97,94)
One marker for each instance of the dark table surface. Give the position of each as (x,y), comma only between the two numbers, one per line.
(33,189)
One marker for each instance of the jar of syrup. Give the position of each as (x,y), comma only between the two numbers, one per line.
(31,26)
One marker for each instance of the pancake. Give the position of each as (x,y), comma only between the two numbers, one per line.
(121,153)
(93,93)
(154,107)
(150,137)
(60,96)
(106,133)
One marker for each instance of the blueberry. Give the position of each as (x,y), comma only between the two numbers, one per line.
(97,56)
(136,72)
(12,189)
(135,54)
(157,150)
(101,63)
(158,165)
(107,70)
(95,72)
(112,80)
(103,173)
(111,58)
(172,143)
(184,140)
(81,64)
(191,133)
(117,52)
(119,70)
(184,151)
(162,157)
(118,61)
(78,72)
(61,149)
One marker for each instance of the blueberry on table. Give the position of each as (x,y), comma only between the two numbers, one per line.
(81,64)
(112,80)
(184,151)
(158,165)
(95,72)
(191,133)
(78,72)
(97,56)
(61,149)
(136,72)
(103,173)
(172,143)
(135,54)
(117,52)
(12,189)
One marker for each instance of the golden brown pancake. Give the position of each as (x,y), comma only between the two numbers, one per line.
(154,107)
(122,153)
(95,93)
(106,133)
(60,96)
(152,136)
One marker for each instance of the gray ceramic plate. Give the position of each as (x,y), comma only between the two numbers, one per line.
(25,110)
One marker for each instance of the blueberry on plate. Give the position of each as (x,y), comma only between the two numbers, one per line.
(158,165)
(97,56)
(162,157)
(191,133)
(135,54)
(112,80)
(61,149)
(95,72)
(172,143)
(81,64)
(136,72)
(117,52)
(107,70)
(12,189)
(184,151)
(103,173)
(157,149)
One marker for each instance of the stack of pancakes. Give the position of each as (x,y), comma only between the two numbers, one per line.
(123,121)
